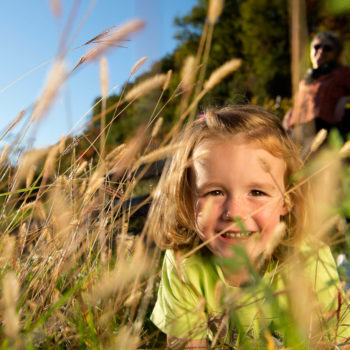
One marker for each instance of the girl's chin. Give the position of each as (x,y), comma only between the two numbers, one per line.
(224,250)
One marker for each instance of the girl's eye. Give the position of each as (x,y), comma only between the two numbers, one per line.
(214,193)
(257,193)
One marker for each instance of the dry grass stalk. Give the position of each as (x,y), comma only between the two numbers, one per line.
(29,160)
(167,80)
(49,166)
(275,239)
(39,211)
(9,297)
(16,121)
(8,244)
(138,64)
(125,273)
(4,153)
(157,126)
(111,39)
(126,339)
(93,187)
(62,144)
(116,151)
(21,239)
(345,150)
(304,306)
(157,154)
(56,7)
(222,72)
(83,187)
(55,80)
(104,90)
(324,192)
(146,86)
(30,176)
(127,157)
(318,140)
(214,10)
(61,217)
(104,77)
(188,73)
(133,298)
(100,36)
(81,167)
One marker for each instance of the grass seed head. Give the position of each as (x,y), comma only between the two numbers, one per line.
(126,340)
(138,64)
(93,187)
(222,72)
(49,166)
(8,244)
(56,78)
(214,10)
(100,36)
(112,39)
(62,144)
(30,176)
(188,73)
(160,153)
(115,152)
(81,167)
(146,86)
(16,121)
(345,150)
(167,80)
(157,126)
(4,153)
(30,159)
(10,294)
(318,140)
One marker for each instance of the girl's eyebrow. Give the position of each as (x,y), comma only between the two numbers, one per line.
(208,184)
(265,185)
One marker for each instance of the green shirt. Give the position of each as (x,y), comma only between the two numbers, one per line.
(194,300)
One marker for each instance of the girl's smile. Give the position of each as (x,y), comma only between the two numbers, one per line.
(238,193)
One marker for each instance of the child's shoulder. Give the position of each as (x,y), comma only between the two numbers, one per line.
(190,265)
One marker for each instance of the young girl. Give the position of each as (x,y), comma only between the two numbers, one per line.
(220,212)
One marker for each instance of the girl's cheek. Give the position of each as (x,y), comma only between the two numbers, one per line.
(268,217)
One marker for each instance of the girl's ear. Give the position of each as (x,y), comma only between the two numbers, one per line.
(287,205)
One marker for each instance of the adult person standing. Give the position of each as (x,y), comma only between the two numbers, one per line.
(323,94)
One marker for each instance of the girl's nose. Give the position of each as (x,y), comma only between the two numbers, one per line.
(234,208)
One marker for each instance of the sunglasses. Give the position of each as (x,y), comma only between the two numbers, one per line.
(326,48)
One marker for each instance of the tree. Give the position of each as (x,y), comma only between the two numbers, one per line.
(257,31)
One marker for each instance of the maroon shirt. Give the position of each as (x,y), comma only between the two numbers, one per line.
(318,99)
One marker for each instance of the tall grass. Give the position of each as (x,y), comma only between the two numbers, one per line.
(73,272)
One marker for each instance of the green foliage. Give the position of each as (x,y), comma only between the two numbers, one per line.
(265,45)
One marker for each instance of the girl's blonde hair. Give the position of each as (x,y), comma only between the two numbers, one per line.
(171,220)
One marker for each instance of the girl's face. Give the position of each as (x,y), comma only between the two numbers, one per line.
(233,178)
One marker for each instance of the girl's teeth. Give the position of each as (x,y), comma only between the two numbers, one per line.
(235,235)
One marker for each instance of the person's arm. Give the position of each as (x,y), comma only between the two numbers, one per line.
(340,108)
(191,344)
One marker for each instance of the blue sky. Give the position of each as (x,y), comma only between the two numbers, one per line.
(31,35)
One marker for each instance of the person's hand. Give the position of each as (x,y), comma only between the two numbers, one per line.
(285,122)
(340,108)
